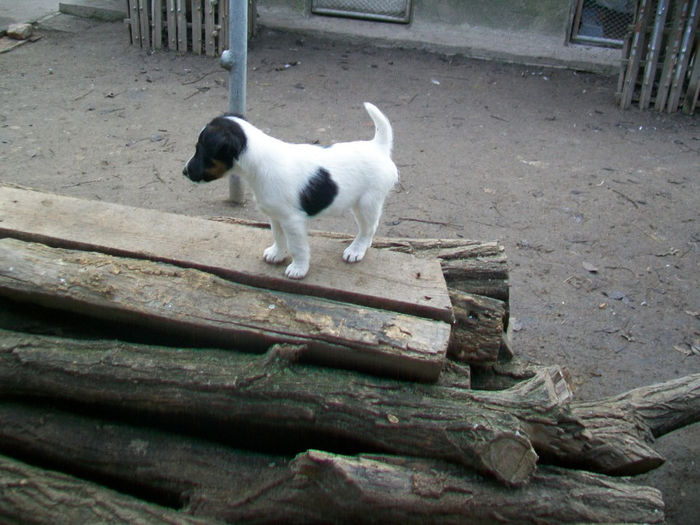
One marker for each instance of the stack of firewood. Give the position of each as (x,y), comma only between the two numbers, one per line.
(138,406)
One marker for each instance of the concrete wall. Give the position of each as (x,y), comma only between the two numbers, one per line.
(542,16)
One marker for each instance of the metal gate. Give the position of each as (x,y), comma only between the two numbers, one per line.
(383,10)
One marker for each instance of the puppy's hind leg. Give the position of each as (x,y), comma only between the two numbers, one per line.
(367,213)
(276,253)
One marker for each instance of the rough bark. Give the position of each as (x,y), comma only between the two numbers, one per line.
(622,428)
(209,480)
(200,305)
(32,495)
(269,393)
(447,421)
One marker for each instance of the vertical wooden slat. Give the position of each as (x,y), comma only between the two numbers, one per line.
(196,11)
(673,45)
(683,57)
(172,25)
(181,26)
(157,23)
(134,22)
(144,24)
(636,50)
(653,52)
(691,96)
(222,36)
(210,44)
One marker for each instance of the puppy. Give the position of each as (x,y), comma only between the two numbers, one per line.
(293,182)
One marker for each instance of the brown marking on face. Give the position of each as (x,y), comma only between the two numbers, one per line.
(216,171)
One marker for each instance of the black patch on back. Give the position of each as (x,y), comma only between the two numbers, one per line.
(319,192)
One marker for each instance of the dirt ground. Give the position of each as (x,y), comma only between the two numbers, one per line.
(540,160)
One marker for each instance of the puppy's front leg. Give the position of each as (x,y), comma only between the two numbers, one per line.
(298,246)
(276,253)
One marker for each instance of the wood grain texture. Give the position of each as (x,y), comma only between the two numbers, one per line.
(210,310)
(384,279)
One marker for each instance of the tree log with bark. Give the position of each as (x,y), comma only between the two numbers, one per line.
(206,479)
(269,394)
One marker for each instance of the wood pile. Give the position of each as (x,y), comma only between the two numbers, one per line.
(661,57)
(153,369)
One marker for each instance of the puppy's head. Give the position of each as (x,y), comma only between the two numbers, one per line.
(219,145)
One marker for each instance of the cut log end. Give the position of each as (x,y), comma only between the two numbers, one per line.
(510,459)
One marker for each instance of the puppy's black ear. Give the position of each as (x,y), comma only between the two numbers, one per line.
(230,140)
(231,148)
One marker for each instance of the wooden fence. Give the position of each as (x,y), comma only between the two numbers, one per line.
(661,57)
(199,26)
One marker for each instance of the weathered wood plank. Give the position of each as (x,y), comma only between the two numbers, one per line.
(157,22)
(273,395)
(652,56)
(181,26)
(215,481)
(212,310)
(673,46)
(209,18)
(196,11)
(172,24)
(388,280)
(145,24)
(636,50)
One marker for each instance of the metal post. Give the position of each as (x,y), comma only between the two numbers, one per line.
(235,59)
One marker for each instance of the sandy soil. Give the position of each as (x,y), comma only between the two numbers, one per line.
(540,160)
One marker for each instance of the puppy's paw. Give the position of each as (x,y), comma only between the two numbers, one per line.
(297,271)
(353,254)
(273,255)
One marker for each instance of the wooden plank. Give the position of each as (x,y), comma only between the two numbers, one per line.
(673,45)
(181,26)
(196,10)
(384,279)
(145,24)
(653,52)
(209,15)
(172,25)
(157,21)
(134,22)
(679,74)
(691,97)
(636,50)
(206,309)
(222,28)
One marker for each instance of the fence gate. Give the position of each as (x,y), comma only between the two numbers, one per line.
(199,26)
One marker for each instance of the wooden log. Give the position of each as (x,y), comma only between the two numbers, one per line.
(387,280)
(196,10)
(268,393)
(213,481)
(477,279)
(32,495)
(693,91)
(209,310)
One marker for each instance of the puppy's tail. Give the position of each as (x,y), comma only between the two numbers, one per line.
(383,135)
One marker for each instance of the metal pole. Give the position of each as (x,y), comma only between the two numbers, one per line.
(235,61)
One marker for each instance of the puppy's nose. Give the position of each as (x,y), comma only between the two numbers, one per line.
(184,171)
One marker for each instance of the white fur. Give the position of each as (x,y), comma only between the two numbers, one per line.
(277,172)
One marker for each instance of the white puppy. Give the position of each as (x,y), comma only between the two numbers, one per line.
(293,182)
